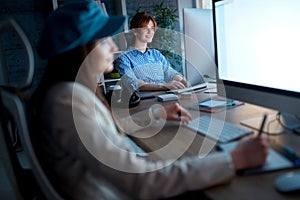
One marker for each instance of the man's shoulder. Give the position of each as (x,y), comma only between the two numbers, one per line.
(155,52)
(127,53)
(152,50)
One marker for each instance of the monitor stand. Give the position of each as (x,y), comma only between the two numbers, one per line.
(272,125)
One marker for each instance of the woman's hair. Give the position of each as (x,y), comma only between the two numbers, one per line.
(141,19)
(62,68)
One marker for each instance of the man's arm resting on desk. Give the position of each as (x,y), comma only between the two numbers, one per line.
(174,84)
(143,86)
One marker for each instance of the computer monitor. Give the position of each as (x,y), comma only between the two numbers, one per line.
(257,56)
(199,45)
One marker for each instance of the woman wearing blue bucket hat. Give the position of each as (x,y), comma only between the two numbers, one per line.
(81,150)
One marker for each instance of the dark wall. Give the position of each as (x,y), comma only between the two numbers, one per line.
(147,6)
(30,15)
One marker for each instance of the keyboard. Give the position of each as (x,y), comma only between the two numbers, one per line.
(217,129)
(188,89)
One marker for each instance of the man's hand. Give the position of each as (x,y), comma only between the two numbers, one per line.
(173,85)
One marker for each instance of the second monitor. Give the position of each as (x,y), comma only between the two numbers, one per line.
(199,44)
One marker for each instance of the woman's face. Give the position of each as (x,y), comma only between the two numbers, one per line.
(99,60)
(146,33)
(102,56)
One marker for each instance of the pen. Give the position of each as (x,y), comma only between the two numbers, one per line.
(262,125)
(287,152)
(291,154)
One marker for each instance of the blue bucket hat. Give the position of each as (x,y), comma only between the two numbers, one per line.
(76,24)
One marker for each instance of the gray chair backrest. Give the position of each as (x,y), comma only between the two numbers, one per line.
(14,111)
(9,184)
(10,26)
(15,122)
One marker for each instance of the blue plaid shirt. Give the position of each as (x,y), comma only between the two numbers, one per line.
(151,67)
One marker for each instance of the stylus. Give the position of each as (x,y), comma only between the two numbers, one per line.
(262,125)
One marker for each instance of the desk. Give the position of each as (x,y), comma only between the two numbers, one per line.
(242,187)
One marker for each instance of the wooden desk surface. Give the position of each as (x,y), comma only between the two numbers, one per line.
(174,141)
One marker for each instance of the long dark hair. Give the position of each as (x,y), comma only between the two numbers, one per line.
(62,68)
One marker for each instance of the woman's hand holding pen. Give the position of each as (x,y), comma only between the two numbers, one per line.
(252,151)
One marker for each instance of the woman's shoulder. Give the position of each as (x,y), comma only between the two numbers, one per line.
(67,87)
(60,89)
(68,90)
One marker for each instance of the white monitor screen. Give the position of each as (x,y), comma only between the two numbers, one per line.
(199,44)
(258,42)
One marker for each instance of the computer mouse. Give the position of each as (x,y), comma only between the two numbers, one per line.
(289,182)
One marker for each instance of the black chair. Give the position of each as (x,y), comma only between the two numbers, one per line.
(18,155)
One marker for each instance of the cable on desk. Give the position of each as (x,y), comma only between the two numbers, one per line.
(268,125)
(294,130)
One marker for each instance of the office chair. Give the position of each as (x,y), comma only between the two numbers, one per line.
(23,168)
(8,168)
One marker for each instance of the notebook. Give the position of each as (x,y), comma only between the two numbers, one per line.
(275,160)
